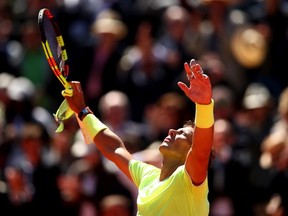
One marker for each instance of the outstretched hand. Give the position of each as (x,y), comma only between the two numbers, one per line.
(200,90)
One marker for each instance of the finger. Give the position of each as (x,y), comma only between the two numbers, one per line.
(205,76)
(197,71)
(183,87)
(188,71)
(192,63)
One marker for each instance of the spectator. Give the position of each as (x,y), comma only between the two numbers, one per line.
(274,149)
(98,62)
(141,71)
(114,110)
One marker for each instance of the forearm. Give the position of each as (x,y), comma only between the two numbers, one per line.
(108,143)
(198,157)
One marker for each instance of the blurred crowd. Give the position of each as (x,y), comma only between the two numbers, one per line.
(129,56)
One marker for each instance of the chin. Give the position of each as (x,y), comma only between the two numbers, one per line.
(162,147)
(163,144)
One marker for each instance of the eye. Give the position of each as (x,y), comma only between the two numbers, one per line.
(181,132)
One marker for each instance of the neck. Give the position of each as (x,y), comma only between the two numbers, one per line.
(168,167)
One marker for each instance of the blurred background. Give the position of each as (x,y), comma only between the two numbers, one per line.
(129,56)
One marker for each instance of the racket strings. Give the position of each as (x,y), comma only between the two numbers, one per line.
(55,47)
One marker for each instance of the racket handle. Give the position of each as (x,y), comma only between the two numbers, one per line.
(68,91)
(68,88)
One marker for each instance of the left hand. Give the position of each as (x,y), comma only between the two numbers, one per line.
(200,90)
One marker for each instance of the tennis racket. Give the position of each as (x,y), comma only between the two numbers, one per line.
(54,46)
(56,54)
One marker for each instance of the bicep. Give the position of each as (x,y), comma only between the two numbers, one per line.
(199,155)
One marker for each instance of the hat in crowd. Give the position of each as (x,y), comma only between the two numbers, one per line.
(176,14)
(248,46)
(256,96)
(20,89)
(109,21)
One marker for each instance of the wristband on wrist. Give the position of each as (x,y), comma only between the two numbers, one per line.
(93,125)
(204,116)
(84,112)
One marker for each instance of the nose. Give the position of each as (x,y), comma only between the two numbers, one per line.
(172,132)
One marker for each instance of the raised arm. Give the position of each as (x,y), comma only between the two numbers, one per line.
(200,93)
(108,143)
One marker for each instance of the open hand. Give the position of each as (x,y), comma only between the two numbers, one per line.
(199,90)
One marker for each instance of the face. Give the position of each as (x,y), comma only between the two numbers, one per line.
(177,143)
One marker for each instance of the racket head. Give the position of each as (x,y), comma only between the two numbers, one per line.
(53,45)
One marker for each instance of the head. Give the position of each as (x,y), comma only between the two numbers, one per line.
(258,102)
(114,107)
(176,19)
(224,99)
(167,112)
(178,143)
(222,205)
(33,139)
(109,26)
(115,204)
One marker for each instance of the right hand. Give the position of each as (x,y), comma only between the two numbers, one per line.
(76,101)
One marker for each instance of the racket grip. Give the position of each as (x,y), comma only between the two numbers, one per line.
(68,91)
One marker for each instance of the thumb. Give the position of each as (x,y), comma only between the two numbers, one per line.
(183,87)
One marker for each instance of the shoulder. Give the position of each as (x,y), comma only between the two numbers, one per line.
(140,166)
(139,170)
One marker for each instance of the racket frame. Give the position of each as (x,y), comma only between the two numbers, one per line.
(63,68)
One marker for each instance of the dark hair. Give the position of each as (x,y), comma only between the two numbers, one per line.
(189,123)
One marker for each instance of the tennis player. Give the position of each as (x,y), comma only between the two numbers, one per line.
(180,187)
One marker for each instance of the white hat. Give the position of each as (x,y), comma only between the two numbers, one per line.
(109,21)
(256,96)
(20,89)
